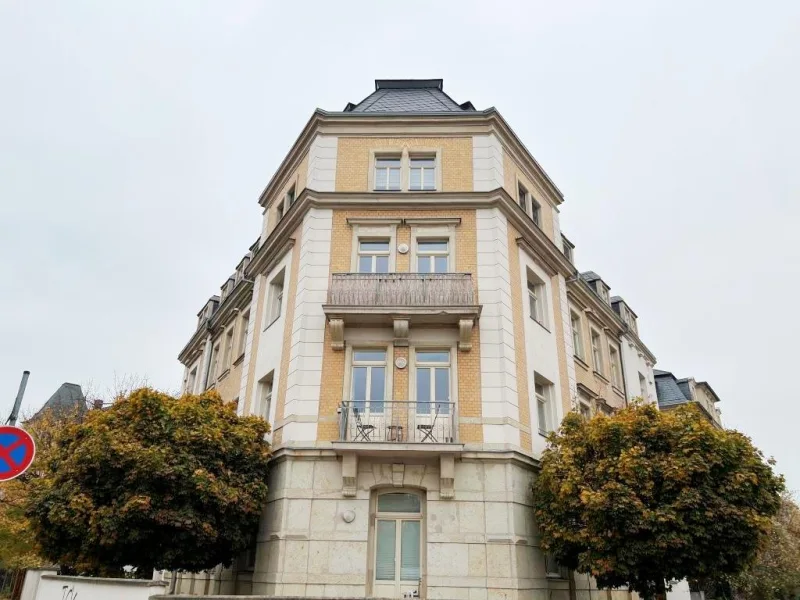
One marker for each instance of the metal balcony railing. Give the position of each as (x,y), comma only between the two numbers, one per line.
(398,422)
(401,289)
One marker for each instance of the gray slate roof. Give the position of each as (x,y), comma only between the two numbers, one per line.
(668,390)
(408,96)
(67,397)
(590,276)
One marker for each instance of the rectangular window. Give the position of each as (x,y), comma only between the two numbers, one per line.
(265,395)
(275,298)
(577,337)
(228,348)
(613,359)
(373,256)
(553,570)
(544,405)
(597,352)
(290,198)
(433,256)
(398,538)
(536,299)
(643,387)
(279,210)
(522,197)
(536,212)
(244,323)
(385,533)
(387,173)
(212,372)
(191,381)
(585,410)
(368,382)
(433,381)
(423,173)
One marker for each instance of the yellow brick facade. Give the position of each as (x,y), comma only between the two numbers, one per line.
(354,156)
(519,341)
(333,362)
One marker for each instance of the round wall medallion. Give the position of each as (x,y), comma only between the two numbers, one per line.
(349,516)
(400,363)
(402,248)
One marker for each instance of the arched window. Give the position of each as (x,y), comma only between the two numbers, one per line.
(398,543)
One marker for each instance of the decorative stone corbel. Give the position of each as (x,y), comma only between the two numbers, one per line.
(337,333)
(447,475)
(401,327)
(465,334)
(398,470)
(349,474)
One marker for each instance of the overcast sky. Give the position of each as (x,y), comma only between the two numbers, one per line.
(135,138)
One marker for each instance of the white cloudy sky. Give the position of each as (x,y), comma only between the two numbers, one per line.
(135,138)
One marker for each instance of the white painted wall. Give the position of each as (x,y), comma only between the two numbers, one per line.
(633,363)
(308,329)
(499,399)
(270,338)
(487,163)
(322,164)
(541,352)
(46,585)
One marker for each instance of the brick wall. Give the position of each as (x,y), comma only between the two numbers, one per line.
(512,173)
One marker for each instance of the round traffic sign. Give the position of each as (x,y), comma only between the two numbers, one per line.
(16,452)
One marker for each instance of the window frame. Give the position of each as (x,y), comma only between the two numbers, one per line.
(275,292)
(433,232)
(432,366)
(373,254)
(370,365)
(387,157)
(435,168)
(643,386)
(545,400)
(536,289)
(213,366)
(614,366)
(398,518)
(227,348)
(406,155)
(244,325)
(191,377)
(266,394)
(577,334)
(597,350)
(432,254)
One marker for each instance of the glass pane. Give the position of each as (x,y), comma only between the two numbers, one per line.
(381,264)
(422,162)
(380,179)
(416,179)
(388,162)
(405,503)
(369,355)
(384,550)
(374,246)
(409,550)
(376,389)
(539,389)
(442,390)
(542,416)
(440,264)
(428,181)
(433,356)
(365,264)
(394,179)
(432,246)
(423,391)
(359,387)
(423,264)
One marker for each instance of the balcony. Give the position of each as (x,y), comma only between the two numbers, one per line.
(393,422)
(402,300)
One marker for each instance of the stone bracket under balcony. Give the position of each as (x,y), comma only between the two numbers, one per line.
(402,301)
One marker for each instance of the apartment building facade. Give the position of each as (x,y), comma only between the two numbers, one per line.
(412,325)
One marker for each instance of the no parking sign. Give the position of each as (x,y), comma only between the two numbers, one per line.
(17,450)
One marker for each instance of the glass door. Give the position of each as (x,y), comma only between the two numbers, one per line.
(433,418)
(398,545)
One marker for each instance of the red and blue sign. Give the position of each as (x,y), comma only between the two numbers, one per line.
(16,452)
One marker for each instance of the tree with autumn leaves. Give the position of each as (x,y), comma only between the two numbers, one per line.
(646,497)
(154,482)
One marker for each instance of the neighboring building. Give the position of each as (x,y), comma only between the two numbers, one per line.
(405,323)
(637,360)
(674,392)
(68,400)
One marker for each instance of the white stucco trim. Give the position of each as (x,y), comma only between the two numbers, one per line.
(322,164)
(487,163)
(304,378)
(499,396)
(248,346)
(569,348)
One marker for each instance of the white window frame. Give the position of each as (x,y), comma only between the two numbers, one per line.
(431,255)
(370,365)
(373,254)
(227,348)
(585,407)
(523,197)
(433,232)
(398,156)
(191,380)
(543,390)
(275,293)
(432,366)
(643,387)
(244,324)
(266,391)
(405,155)
(536,212)
(577,334)
(420,156)
(398,518)
(597,350)
(614,364)
(214,364)
(537,298)
(290,197)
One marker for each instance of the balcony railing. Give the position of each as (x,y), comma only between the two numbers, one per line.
(398,422)
(401,289)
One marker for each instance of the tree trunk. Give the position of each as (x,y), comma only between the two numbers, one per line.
(661,589)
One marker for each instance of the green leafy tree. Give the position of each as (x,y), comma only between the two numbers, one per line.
(645,497)
(153,481)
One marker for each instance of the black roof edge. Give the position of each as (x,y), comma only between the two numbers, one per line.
(401,84)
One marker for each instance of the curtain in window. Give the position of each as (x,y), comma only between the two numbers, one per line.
(384,554)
